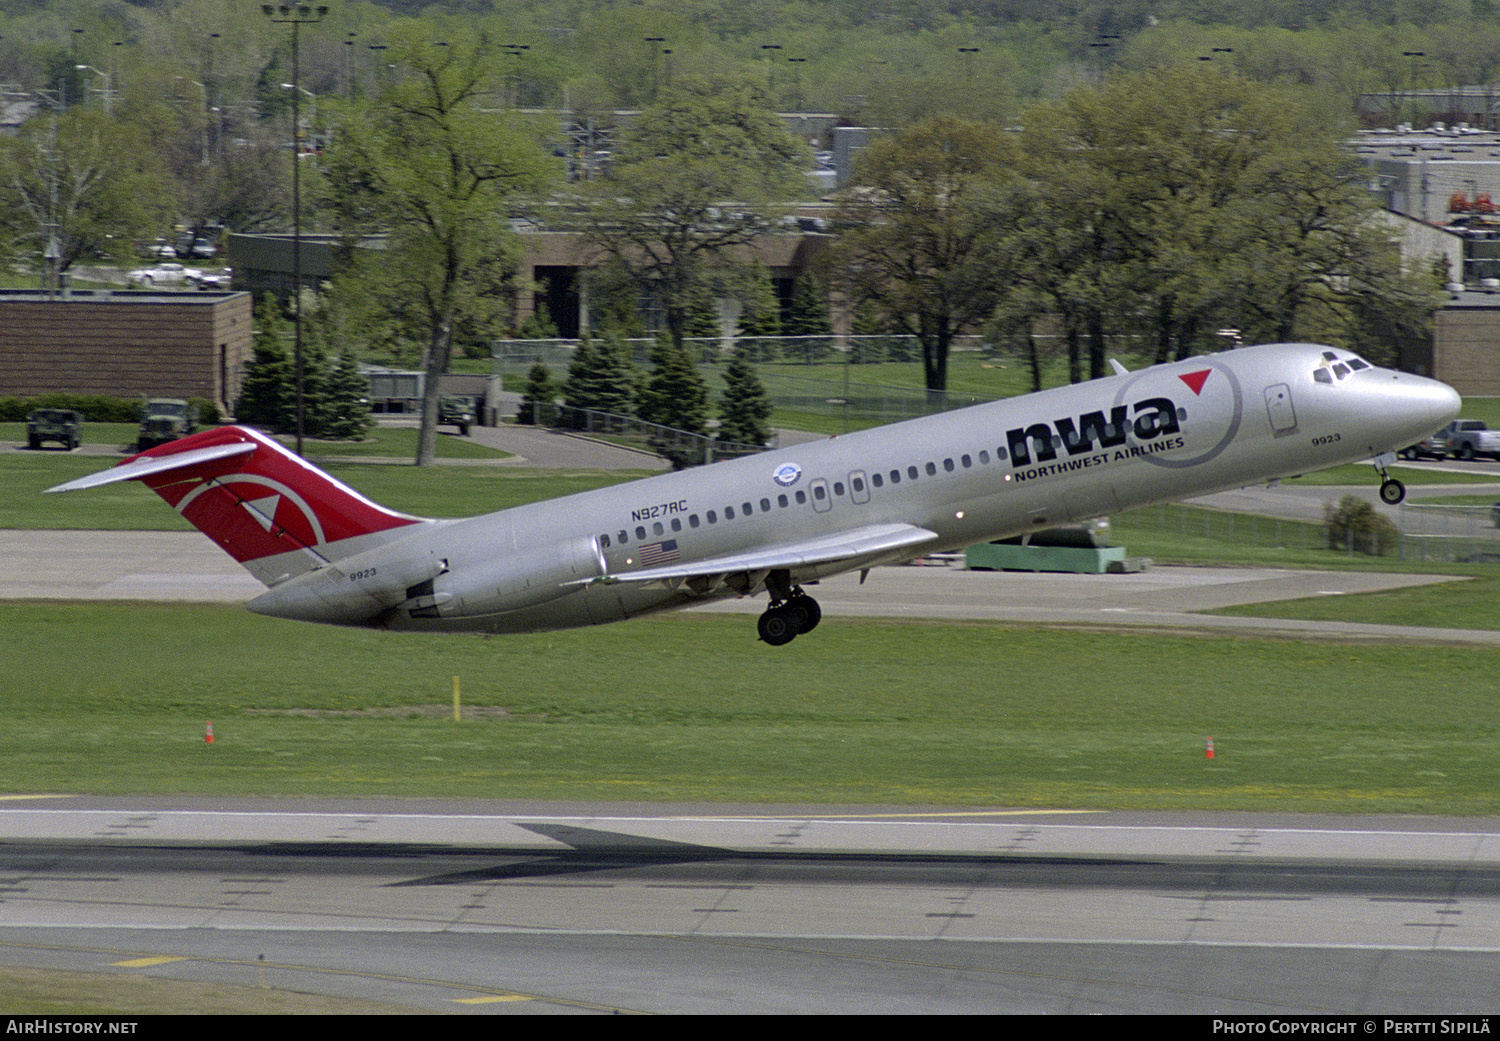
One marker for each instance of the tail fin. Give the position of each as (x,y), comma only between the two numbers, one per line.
(275,513)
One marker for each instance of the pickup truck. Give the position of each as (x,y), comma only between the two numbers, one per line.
(1468,438)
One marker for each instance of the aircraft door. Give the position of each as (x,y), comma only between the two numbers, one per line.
(1279,409)
(821,500)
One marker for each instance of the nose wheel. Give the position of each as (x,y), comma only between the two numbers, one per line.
(1392,491)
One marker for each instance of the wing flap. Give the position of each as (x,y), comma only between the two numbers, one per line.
(858,543)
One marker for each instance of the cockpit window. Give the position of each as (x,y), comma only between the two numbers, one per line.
(1336,368)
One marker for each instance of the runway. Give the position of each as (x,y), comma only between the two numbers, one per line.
(501,908)
(516,908)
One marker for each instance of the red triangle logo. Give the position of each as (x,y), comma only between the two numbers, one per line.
(1195,380)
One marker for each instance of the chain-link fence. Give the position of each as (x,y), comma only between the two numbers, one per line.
(681,447)
(1450,533)
(1425,533)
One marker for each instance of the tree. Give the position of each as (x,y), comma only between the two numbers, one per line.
(347,413)
(675,397)
(268,388)
(920,240)
(79,185)
(539,399)
(438,173)
(1170,203)
(744,407)
(600,376)
(699,177)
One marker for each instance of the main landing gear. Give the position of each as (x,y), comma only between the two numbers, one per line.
(791,612)
(1392,491)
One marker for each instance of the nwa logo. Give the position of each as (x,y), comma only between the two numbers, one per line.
(1148,419)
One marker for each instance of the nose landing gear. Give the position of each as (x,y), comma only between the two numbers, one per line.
(1392,491)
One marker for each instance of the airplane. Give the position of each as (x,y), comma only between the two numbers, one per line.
(784,519)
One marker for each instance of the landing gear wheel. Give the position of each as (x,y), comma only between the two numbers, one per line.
(778,626)
(1392,491)
(807,612)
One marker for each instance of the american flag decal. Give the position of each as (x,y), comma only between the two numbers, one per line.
(659,552)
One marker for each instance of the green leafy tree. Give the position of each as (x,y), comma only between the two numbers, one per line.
(78,186)
(921,240)
(433,167)
(744,407)
(701,174)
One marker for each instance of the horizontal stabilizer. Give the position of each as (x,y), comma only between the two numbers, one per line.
(867,542)
(145,466)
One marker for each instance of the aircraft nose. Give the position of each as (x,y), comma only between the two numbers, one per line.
(1425,406)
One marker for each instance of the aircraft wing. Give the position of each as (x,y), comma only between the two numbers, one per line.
(868,542)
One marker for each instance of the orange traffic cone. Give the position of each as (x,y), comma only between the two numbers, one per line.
(208,733)
(1208,752)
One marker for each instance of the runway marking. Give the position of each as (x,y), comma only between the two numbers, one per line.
(491,999)
(146,963)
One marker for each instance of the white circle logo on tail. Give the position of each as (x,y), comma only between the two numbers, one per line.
(263,508)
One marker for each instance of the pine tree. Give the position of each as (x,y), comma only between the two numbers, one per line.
(744,408)
(760,316)
(348,404)
(267,397)
(539,399)
(676,397)
(808,316)
(600,376)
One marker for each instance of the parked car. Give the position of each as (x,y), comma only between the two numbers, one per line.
(54,424)
(457,410)
(1469,438)
(165,419)
(167,274)
(1434,447)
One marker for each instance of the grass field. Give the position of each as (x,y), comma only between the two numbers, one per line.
(688,707)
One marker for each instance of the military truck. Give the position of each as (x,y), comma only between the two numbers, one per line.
(165,419)
(53,424)
(457,410)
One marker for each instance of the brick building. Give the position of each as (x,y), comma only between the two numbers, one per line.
(125,343)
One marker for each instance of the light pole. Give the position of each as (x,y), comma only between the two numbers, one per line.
(296,15)
(107,92)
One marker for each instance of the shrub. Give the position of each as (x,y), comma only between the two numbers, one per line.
(1354,526)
